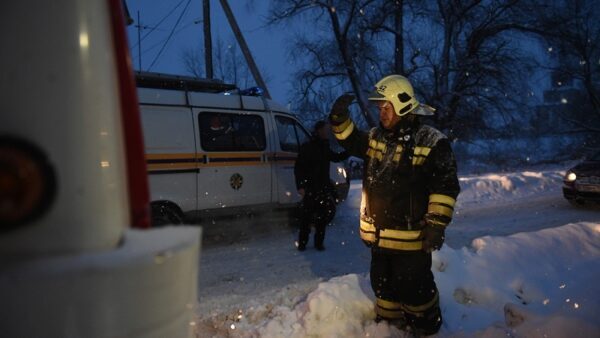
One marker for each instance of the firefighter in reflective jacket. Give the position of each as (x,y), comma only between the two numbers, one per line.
(409,191)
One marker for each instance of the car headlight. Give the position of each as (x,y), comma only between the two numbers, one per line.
(571,177)
(342,171)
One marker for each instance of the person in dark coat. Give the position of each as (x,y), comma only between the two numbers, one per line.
(314,185)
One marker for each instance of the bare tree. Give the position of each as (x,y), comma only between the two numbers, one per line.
(470,65)
(192,62)
(229,64)
(342,18)
(462,59)
(572,29)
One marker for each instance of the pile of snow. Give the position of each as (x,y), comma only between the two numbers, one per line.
(508,186)
(525,285)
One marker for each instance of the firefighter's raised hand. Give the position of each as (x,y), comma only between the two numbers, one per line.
(339,111)
(433,237)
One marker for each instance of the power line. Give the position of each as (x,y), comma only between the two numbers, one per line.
(179,30)
(154,27)
(170,35)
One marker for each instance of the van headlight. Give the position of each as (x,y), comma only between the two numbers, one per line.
(342,172)
(570,177)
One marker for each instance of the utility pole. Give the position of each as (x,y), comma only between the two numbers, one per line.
(244,47)
(399,53)
(207,40)
(139,29)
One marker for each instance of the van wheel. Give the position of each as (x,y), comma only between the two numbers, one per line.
(165,214)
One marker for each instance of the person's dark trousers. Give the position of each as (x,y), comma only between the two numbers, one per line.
(318,209)
(319,234)
(304,233)
(405,289)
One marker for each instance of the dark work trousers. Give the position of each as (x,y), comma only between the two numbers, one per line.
(318,209)
(405,290)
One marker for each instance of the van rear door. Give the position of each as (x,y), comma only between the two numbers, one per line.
(233,169)
(171,154)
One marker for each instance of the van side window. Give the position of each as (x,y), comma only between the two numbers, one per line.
(231,132)
(291,134)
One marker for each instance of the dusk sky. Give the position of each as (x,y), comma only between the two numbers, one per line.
(267,44)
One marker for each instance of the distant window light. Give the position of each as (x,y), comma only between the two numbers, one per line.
(559,83)
(564,100)
(582,62)
(550,49)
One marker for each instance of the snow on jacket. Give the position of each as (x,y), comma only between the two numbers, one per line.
(410,175)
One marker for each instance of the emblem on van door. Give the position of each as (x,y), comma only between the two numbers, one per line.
(236,181)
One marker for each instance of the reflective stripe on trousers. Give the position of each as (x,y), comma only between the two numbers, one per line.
(392,310)
(407,240)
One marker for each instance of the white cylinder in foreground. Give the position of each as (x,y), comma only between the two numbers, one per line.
(60,94)
(146,288)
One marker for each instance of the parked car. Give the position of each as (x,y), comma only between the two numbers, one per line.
(211,148)
(582,182)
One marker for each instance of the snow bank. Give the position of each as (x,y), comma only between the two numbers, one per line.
(508,186)
(525,285)
(516,284)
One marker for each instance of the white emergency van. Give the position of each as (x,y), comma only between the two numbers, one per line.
(210,146)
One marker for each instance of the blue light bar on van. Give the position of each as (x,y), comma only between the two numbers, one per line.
(253,91)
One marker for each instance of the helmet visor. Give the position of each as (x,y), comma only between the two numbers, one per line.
(376,96)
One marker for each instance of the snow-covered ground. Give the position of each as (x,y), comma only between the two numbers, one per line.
(519,261)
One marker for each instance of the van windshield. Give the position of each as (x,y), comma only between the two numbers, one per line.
(291,134)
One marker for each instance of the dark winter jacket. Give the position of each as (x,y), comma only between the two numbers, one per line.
(409,177)
(312,165)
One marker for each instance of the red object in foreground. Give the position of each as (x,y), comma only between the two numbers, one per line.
(137,179)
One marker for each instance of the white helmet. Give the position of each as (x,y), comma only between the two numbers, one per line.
(398,90)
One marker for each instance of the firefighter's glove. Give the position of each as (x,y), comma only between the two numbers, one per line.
(339,111)
(433,237)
